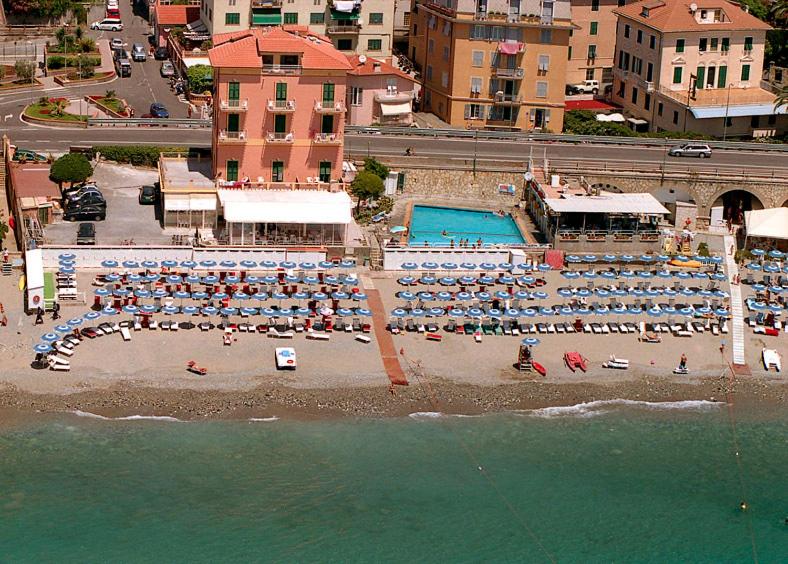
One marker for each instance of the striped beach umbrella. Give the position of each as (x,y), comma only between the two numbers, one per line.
(91,315)
(130,308)
(63,329)
(530,341)
(109,263)
(468,266)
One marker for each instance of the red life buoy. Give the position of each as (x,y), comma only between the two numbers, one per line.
(36,299)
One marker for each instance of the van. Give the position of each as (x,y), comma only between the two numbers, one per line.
(138,53)
(108,24)
(123,66)
(113,13)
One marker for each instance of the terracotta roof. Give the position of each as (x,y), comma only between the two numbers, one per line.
(177,14)
(368,67)
(675,15)
(31,180)
(243,49)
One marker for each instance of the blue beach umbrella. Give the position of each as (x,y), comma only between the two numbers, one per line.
(757,306)
(456,312)
(486,280)
(209,310)
(583,310)
(583,292)
(449,266)
(589,258)
(270,279)
(302,311)
(444,296)
(67,263)
(173,279)
(686,292)
(75,321)
(63,329)
(399,312)
(436,311)
(620,310)
(363,312)
(609,258)
(716,259)
(279,296)
(570,274)
(240,296)
(169,309)
(227,311)
(151,277)
(429,265)
(544,267)
(645,274)
(637,292)
(627,274)
(565,293)
(703,310)
(474,312)
(192,279)
(619,293)
(632,310)
(268,312)
(521,295)
(149,264)
(566,310)
(654,312)
(67,256)
(341,295)
(488,266)
(448,281)
(590,275)
(501,295)
(42,348)
(135,278)
(426,296)
(219,296)
(232,279)
(319,296)
(505,266)
(664,274)
(418,312)
(121,292)
(109,311)
(758,287)
(428,279)
(358,296)
(683,275)
(530,341)
(102,292)
(466,280)
(528,312)
(91,315)
(181,295)
(261,296)
(409,266)
(169,263)
(131,264)
(626,258)
(311,280)
(718,276)
(188,264)
(109,263)
(758,252)
(573,258)
(608,275)
(325,264)
(669,310)
(602,293)
(130,308)
(602,310)
(771,268)
(66,269)
(331,280)
(405,295)
(512,313)
(540,295)
(190,310)
(463,296)
(506,280)
(686,311)
(347,263)
(663,258)
(300,296)
(647,258)
(268,264)
(753,266)
(231,264)
(483,296)
(774,307)
(721,312)
(546,311)
(652,292)
(468,266)
(244,310)
(248,263)
(159,293)
(701,276)
(682,258)
(496,313)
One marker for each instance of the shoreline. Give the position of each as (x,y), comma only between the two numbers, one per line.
(289,403)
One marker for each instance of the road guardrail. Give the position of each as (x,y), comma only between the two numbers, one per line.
(150,122)
(557,138)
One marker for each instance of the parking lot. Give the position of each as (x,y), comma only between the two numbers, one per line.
(126,218)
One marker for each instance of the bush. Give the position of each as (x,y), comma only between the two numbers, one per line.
(583,122)
(703,249)
(25,70)
(136,155)
(87,45)
(376,167)
(200,78)
(71,167)
(55,62)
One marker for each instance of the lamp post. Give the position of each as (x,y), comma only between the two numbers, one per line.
(727,105)
(475,146)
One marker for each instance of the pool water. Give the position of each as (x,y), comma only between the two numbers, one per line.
(440,225)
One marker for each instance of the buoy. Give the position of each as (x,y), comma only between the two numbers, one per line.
(743,506)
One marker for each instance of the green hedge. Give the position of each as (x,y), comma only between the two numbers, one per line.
(58,61)
(140,155)
(583,122)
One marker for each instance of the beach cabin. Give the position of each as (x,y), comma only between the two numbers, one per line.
(34,280)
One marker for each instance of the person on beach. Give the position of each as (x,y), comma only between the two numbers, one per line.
(683,362)
(5,255)
(55,311)
(40,316)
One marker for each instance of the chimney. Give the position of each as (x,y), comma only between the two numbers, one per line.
(376,67)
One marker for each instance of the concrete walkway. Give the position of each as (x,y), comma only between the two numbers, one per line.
(737,311)
(388,352)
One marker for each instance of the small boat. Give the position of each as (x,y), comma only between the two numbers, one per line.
(617,363)
(771,358)
(680,370)
(285,358)
(539,368)
(575,360)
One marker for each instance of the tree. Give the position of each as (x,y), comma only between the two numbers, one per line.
(71,167)
(87,45)
(59,107)
(366,186)
(376,167)
(2,72)
(200,78)
(782,97)
(110,94)
(79,33)
(86,66)
(25,70)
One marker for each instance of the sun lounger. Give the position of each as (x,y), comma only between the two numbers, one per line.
(420,327)
(299,326)
(605,329)
(759,330)
(507,327)
(273,333)
(356,325)
(363,339)
(174,326)
(318,336)
(54,359)
(715,329)
(616,363)
(632,327)
(410,326)
(137,325)
(153,324)
(433,336)
(613,327)
(560,328)
(432,327)
(541,327)
(451,326)
(587,328)
(339,325)
(348,327)
(288,335)
(125,333)
(104,329)
(596,328)
(477,336)
(165,325)
(487,329)
(697,326)
(205,326)
(60,367)
(64,350)
(515,329)
(551,328)
(724,327)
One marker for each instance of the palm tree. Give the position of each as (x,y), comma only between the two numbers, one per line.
(60,35)
(782,97)
(79,32)
(110,94)
(779,10)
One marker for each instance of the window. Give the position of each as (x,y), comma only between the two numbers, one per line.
(290,18)
(701,77)
(446,28)
(594,28)
(280,123)
(446,52)
(634,95)
(650,72)
(431,46)
(652,41)
(772,119)
(233,90)
(476,85)
(675,117)
(445,79)
(594,5)
(569,53)
(317,18)
(679,45)
(546,36)
(640,36)
(374,45)
(376,18)
(660,107)
(703,45)
(327,123)
(232,170)
(429,72)
(748,43)
(592,51)
(541,89)
(473,111)
(621,3)
(232,18)
(621,89)
(544,63)
(722,77)
(345,44)
(755,121)
(745,72)
(324,171)
(277,171)
(714,43)
(233,122)
(328,93)
(477,58)
(626,30)
(590,74)
(356,96)
(281,91)
(726,44)
(647,101)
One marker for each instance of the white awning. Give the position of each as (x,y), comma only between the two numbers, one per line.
(193,61)
(644,204)
(189,202)
(741,110)
(395,109)
(34,268)
(771,222)
(285,206)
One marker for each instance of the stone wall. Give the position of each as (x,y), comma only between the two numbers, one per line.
(481,188)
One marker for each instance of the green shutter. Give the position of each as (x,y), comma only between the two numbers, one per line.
(280,123)
(291,18)
(266,17)
(748,43)
(722,78)
(232,170)
(328,93)
(277,171)
(594,28)
(726,44)
(677,71)
(347,16)
(281,91)
(745,72)
(325,171)
(679,45)
(233,122)
(234,91)
(701,79)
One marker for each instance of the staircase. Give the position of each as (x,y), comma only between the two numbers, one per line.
(737,311)
(6,269)
(375,258)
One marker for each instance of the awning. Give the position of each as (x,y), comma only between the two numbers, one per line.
(337,15)
(346,5)
(738,111)
(194,61)
(395,109)
(34,268)
(266,17)
(510,47)
(637,121)
(189,202)
(771,222)
(197,26)
(285,206)
(637,204)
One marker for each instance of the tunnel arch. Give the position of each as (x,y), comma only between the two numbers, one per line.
(736,201)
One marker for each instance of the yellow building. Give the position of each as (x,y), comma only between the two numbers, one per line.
(492,63)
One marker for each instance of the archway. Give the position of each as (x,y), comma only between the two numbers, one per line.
(735,202)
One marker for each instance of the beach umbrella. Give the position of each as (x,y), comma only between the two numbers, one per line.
(188,264)
(687,311)
(771,268)
(102,292)
(683,275)
(303,311)
(608,275)
(682,258)
(112,277)
(602,310)
(169,309)
(647,258)
(652,292)
(151,277)
(669,310)
(173,279)
(342,295)
(192,279)
(409,266)
(721,294)
(718,276)
(483,296)
(664,274)
(363,312)
(486,280)
(219,296)
(654,312)
(705,293)
(540,295)
(758,306)
(444,296)
(135,278)
(279,296)
(109,263)
(468,266)
(526,280)
(496,313)
(521,295)
(488,266)
(463,296)
(626,258)
(130,308)
(67,256)
(42,348)
(627,274)
(602,293)
(530,341)
(589,258)
(268,264)
(637,292)
(701,276)
(418,312)
(67,263)
(181,295)
(319,296)
(544,267)
(456,312)
(121,292)
(262,296)
(325,264)
(268,312)
(546,311)
(63,329)
(716,259)
(705,310)
(619,293)
(109,311)
(466,280)
(227,311)
(159,293)
(573,258)
(449,266)
(289,278)
(753,266)
(721,312)
(589,275)
(244,310)
(528,312)
(347,263)
(405,295)
(331,280)
(231,264)
(645,274)
(307,265)
(270,279)
(287,264)
(758,252)
(663,258)
(583,292)
(426,296)
(248,264)
(512,313)
(300,296)
(149,264)
(474,312)
(570,274)
(448,281)
(240,296)
(169,263)
(774,307)
(505,266)
(758,287)
(775,289)
(429,265)
(774,253)
(358,296)
(428,279)
(199,296)
(232,279)
(75,321)
(501,295)
(565,292)
(632,310)
(436,312)
(686,292)
(506,280)
(311,280)
(131,264)
(91,315)
(399,312)
(566,310)
(620,309)
(66,270)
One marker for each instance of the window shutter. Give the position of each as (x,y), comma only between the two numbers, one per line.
(467,111)
(494,58)
(701,80)
(722,77)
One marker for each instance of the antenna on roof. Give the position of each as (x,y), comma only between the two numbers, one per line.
(362,59)
(693,7)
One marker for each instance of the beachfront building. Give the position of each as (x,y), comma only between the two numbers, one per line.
(492,63)
(592,42)
(378,93)
(694,66)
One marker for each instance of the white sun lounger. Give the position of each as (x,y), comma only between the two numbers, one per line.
(363,339)
(319,336)
(54,359)
(724,327)
(60,367)
(477,336)
(64,350)
(174,326)
(153,324)
(125,333)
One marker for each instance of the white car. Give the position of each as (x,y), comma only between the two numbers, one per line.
(108,24)
(112,4)
(285,358)
(116,43)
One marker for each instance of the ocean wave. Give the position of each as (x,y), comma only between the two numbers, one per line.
(426,415)
(595,408)
(89,415)
(263,419)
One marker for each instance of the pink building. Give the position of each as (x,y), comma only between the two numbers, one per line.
(279,108)
(378,93)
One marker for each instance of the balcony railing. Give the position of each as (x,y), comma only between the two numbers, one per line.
(503,72)
(329,107)
(327,138)
(393,97)
(234,105)
(232,136)
(343,29)
(266,3)
(500,98)
(280,137)
(281,106)
(282,69)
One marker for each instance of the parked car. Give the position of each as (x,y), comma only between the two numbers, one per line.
(86,234)
(116,43)
(167,69)
(161,54)
(28,155)
(123,65)
(79,195)
(148,195)
(158,110)
(108,24)
(700,150)
(77,188)
(91,206)
(112,13)
(585,87)
(138,53)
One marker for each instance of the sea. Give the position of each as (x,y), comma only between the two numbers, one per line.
(612,481)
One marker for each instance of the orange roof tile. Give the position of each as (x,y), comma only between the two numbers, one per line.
(177,14)
(243,49)
(368,67)
(675,15)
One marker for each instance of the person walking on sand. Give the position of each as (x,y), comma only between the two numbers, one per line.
(55,311)
(683,362)
(39,316)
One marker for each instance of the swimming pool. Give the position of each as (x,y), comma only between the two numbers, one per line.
(437,225)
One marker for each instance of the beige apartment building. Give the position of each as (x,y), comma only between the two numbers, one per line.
(694,66)
(493,63)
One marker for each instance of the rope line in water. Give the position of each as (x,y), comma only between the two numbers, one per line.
(414,368)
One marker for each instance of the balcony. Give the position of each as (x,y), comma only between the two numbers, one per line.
(506,99)
(266,4)
(327,139)
(440,8)
(281,69)
(515,73)
(234,105)
(329,107)
(343,29)
(281,106)
(284,137)
(232,136)
(393,97)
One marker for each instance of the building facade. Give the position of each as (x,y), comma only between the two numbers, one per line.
(378,93)
(492,63)
(279,108)
(694,67)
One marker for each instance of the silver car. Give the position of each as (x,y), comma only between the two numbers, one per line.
(167,69)
(138,53)
(700,150)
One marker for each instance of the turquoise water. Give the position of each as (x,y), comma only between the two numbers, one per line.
(429,222)
(611,484)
